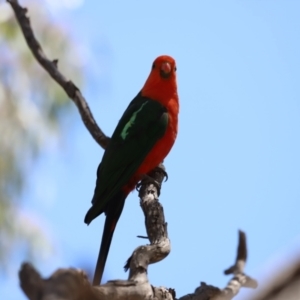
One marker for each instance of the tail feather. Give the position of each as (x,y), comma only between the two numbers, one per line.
(113,212)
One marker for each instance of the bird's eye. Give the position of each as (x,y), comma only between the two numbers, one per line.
(153,66)
(175,69)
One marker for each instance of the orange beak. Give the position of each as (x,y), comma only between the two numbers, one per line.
(165,69)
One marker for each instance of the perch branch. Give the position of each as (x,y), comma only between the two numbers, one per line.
(155,224)
(51,67)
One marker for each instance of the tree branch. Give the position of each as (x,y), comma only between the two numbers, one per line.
(51,67)
(67,284)
(156,226)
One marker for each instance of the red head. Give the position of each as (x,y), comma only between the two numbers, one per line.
(161,83)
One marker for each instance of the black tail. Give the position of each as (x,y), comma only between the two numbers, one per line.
(113,212)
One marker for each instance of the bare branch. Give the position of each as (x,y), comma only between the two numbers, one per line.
(63,284)
(156,227)
(137,286)
(51,67)
(72,284)
(241,256)
(67,284)
(31,282)
(240,279)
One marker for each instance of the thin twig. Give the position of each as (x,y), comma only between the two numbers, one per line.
(51,67)
(240,279)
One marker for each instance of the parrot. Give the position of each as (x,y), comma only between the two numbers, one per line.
(142,139)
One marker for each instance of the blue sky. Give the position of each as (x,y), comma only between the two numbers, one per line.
(235,164)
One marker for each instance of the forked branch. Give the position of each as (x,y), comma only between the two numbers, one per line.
(67,284)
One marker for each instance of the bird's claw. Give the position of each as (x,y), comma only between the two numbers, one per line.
(160,169)
(164,173)
(146,179)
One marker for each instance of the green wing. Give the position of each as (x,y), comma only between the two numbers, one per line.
(143,123)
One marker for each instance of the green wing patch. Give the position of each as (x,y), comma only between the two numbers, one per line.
(124,132)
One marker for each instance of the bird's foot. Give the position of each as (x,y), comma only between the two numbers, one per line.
(159,173)
(160,169)
(146,179)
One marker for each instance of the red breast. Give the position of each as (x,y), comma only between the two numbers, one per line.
(160,86)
